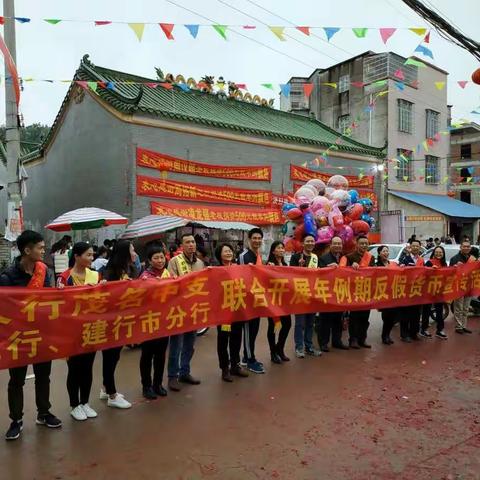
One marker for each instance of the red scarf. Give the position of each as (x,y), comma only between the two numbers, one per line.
(436,262)
(39,276)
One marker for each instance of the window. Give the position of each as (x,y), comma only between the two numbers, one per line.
(433,119)
(405,165)
(344,83)
(405,116)
(466,151)
(431,169)
(344,124)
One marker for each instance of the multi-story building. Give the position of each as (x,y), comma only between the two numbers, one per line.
(378,100)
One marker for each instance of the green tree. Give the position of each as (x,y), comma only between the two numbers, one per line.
(31,134)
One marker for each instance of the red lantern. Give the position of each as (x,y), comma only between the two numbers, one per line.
(476,76)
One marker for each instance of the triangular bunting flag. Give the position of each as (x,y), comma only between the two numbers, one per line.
(110,85)
(330,84)
(22,19)
(307,89)
(411,61)
(82,83)
(2,20)
(52,21)
(285,89)
(99,23)
(241,86)
(221,30)
(399,74)
(400,85)
(405,178)
(138,28)
(183,86)
(419,31)
(330,32)
(357,84)
(427,38)
(439,85)
(167,29)
(380,83)
(193,29)
(249,27)
(102,84)
(462,83)
(305,30)
(267,85)
(381,94)
(425,145)
(151,85)
(278,32)
(93,86)
(426,51)
(360,32)
(386,33)
(166,85)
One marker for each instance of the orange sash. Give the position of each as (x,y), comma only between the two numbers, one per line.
(471,259)
(419,262)
(365,261)
(343,262)
(259,259)
(39,275)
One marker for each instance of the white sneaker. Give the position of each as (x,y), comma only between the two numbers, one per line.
(78,413)
(89,411)
(299,353)
(118,402)
(105,396)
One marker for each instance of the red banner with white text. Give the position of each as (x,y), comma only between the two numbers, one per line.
(44,324)
(167,163)
(305,174)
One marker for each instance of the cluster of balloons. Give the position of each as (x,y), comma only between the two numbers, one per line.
(325,211)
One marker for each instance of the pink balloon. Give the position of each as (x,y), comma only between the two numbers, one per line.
(338,182)
(325,234)
(346,233)
(321,204)
(318,184)
(304,195)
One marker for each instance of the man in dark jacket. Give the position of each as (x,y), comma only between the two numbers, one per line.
(461,305)
(252,256)
(358,323)
(331,322)
(29,270)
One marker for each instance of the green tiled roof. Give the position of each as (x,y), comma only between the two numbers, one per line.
(211,111)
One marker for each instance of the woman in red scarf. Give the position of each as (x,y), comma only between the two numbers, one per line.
(437,260)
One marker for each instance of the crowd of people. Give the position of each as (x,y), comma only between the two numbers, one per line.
(84,265)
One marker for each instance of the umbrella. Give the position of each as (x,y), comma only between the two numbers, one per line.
(85,219)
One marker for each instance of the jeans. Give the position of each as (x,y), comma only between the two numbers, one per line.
(153,351)
(79,378)
(42,389)
(330,323)
(250,332)
(303,332)
(286,324)
(358,326)
(229,341)
(426,310)
(180,354)
(111,356)
(460,312)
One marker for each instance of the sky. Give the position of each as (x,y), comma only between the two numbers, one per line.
(47,51)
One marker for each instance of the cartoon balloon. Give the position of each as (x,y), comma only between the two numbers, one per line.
(295,214)
(304,195)
(367,204)
(309,224)
(345,233)
(360,227)
(287,206)
(299,232)
(355,212)
(324,234)
(341,199)
(329,191)
(353,196)
(338,182)
(318,184)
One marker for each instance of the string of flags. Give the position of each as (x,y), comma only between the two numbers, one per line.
(193,29)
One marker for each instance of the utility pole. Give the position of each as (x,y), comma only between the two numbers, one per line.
(12,132)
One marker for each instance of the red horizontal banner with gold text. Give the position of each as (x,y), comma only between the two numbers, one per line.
(167,163)
(255,216)
(44,324)
(305,174)
(156,187)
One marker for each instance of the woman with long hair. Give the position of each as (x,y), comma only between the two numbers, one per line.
(153,351)
(120,266)
(80,367)
(437,260)
(389,315)
(229,336)
(277,349)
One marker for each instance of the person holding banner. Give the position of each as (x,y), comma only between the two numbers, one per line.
(358,322)
(80,367)
(252,256)
(154,351)
(303,333)
(29,271)
(120,266)
(277,349)
(462,305)
(229,336)
(389,315)
(182,346)
(331,322)
(410,321)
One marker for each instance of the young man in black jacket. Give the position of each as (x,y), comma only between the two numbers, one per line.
(462,305)
(28,269)
(331,322)
(252,256)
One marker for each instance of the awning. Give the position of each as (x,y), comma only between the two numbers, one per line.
(156,224)
(442,204)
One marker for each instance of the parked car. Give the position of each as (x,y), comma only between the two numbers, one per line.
(396,250)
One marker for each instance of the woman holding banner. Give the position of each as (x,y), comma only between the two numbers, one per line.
(277,353)
(80,367)
(121,266)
